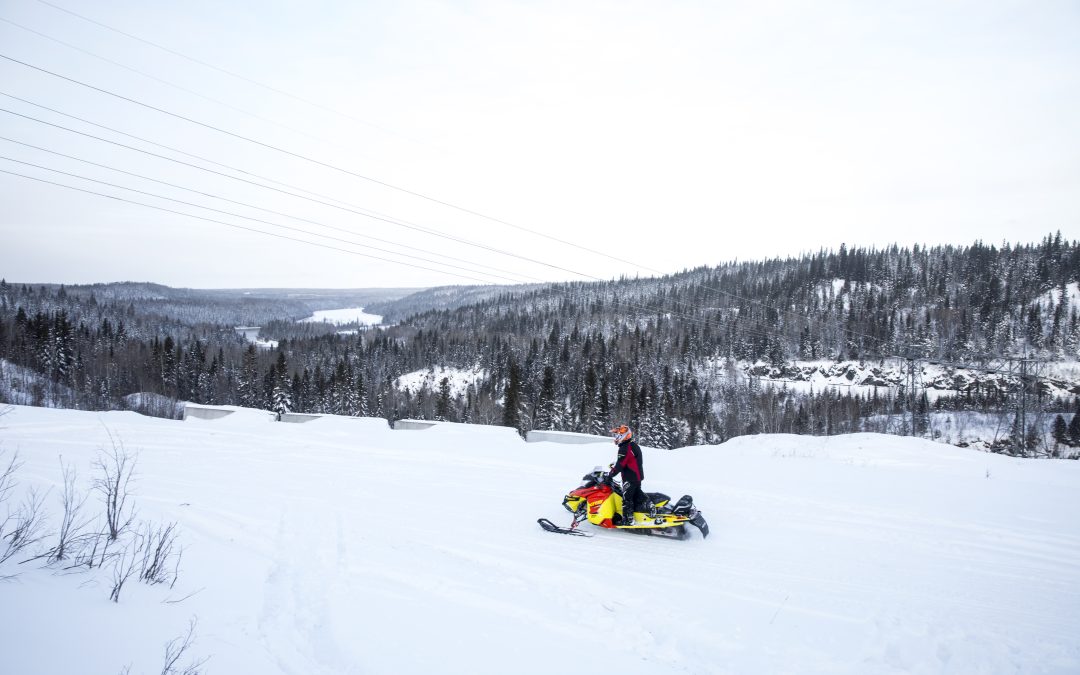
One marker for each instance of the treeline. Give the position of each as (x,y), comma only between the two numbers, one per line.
(658,353)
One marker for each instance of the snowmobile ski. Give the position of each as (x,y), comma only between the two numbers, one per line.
(552,527)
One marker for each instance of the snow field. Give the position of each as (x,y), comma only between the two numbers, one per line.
(341,546)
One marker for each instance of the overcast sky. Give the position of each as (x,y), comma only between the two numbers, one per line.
(642,138)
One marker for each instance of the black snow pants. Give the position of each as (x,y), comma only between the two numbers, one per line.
(631,498)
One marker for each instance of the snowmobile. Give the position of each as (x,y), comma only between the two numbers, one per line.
(599,500)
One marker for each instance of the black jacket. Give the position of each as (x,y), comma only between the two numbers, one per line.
(629,463)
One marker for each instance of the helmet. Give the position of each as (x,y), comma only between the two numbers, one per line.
(621,434)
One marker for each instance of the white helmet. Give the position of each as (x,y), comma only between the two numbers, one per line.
(621,434)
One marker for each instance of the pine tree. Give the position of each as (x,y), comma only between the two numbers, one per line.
(546,413)
(512,398)
(1074,427)
(1060,431)
(247,385)
(361,395)
(442,405)
(280,397)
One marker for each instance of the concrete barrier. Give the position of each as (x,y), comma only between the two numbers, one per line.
(411,425)
(298,418)
(569,437)
(204,413)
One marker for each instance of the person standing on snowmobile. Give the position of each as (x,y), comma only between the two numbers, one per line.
(631,468)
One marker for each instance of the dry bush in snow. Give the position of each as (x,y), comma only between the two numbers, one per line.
(115,470)
(69,537)
(176,648)
(20,526)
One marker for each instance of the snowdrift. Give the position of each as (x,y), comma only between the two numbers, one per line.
(343,546)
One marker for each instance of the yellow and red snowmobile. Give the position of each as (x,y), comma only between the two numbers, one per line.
(599,500)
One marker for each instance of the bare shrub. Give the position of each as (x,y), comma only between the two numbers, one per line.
(22,527)
(69,536)
(157,544)
(176,649)
(7,476)
(124,567)
(115,470)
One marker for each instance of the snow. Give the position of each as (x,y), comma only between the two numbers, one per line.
(864,378)
(459,379)
(1052,297)
(342,546)
(251,334)
(344,316)
(17,383)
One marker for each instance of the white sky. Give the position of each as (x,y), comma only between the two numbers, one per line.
(669,135)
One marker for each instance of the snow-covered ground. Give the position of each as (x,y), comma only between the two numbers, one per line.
(341,546)
(251,334)
(459,379)
(344,316)
(1060,378)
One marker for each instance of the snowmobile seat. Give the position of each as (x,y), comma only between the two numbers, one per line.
(683,506)
(657,498)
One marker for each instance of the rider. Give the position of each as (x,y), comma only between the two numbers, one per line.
(629,464)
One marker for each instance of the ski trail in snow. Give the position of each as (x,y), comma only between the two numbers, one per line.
(299,611)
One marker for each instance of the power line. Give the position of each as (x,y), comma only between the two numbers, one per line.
(392,221)
(237,215)
(228,72)
(167,83)
(234,225)
(259,208)
(321,163)
(164,147)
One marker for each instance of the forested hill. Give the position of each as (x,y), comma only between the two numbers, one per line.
(957,303)
(671,355)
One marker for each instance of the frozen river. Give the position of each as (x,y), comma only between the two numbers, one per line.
(345,316)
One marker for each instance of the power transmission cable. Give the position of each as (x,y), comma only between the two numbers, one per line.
(167,83)
(400,223)
(260,208)
(237,215)
(231,73)
(167,147)
(321,163)
(239,227)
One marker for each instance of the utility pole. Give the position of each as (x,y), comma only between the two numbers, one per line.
(913,380)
